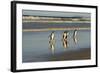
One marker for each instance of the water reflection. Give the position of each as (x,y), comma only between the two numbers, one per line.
(65,39)
(75,37)
(52,42)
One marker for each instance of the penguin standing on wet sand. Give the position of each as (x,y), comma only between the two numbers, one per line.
(52,36)
(65,35)
(75,36)
(65,39)
(52,42)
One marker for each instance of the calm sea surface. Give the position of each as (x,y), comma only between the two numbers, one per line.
(36,46)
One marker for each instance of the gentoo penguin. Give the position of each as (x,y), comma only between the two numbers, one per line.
(75,36)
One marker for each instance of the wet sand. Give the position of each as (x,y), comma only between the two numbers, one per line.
(72,55)
(36,47)
(63,56)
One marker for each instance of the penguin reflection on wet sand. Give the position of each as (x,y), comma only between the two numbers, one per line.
(75,36)
(65,39)
(52,42)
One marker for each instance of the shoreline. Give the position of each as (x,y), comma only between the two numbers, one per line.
(28,21)
(53,29)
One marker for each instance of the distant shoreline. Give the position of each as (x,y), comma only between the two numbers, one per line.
(53,29)
(55,21)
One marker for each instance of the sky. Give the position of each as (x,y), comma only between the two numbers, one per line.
(55,13)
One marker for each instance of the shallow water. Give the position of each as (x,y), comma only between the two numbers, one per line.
(36,46)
